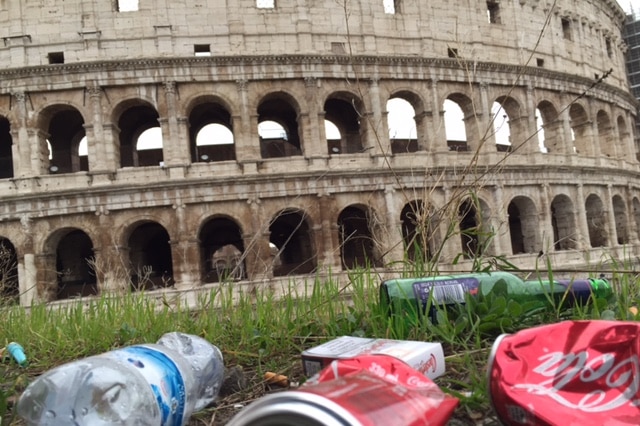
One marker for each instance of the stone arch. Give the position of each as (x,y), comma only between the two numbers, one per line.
(468,128)
(73,261)
(523,225)
(580,128)
(636,215)
(563,223)
(344,110)
(606,136)
(509,114)
(357,233)
(281,108)
(596,221)
(150,258)
(211,135)
(63,127)
(620,217)
(6,149)
(473,216)
(550,136)
(407,113)
(292,241)
(624,136)
(419,230)
(9,285)
(221,250)
(134,117)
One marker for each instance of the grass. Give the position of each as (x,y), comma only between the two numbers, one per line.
(261,333)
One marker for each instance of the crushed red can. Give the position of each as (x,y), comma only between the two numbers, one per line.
(362,391)
(569,373)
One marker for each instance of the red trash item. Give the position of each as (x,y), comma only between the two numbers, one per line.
(382,390)
(573,373)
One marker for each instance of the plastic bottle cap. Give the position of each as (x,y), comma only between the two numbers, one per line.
(17,352)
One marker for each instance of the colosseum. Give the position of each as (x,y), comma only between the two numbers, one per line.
(175,145)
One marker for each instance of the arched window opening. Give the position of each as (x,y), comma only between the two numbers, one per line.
(74,266)
(140,137)
(278,127)
(66,130)
(402,126)
(211,132)
(334,138)
(470,229)
(9,286)
(150,257)
(418,231)
(455,126)
(620,215)
(606,137)
(541,137)
(563,223)
(345,116)
(624,136)
(549,128)
(523,225)
(291,237)
(6,150)
(357,245)
(222,251)
(581,135)
(214,142)
(501,127)
(636,215)
(596,222)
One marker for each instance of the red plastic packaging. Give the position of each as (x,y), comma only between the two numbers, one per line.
(382,390)
(570,373)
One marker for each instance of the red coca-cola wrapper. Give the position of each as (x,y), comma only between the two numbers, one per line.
(571,373)
(382,390)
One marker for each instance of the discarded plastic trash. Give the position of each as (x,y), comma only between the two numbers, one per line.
(158,384)
(569,373)
(367,390)
(276,379)
(17,353)
(414,297)
(425,357)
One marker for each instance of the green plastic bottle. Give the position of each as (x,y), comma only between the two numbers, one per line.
(415,297)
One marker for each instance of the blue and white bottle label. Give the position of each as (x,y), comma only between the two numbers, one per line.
(163,376)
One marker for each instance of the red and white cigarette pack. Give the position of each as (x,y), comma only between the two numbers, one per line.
(425,357)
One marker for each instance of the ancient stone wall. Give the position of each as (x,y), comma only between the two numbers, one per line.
(276,151)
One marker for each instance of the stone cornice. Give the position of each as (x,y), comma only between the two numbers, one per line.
(117,70)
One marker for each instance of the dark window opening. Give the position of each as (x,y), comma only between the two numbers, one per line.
(540,62)
(493,12)
(292,244)
(609,48)
(56,57)
(202,49)
(150,257)
(222,251)
(452,53)
(566,28)
(74,266)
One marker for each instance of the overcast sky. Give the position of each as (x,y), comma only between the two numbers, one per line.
(628,5)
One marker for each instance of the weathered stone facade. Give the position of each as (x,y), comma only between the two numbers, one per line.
(302,202)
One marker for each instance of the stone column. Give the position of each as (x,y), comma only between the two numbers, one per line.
(582,241)
(501,244)
(185,252)
(21,147)
(546,220)
(451,238)
(329,243)
(313,135)
(377,140)
(484,121)
(393,243)
(631,219)
(245,136)
(611,218)
(27,270)
(100,144)
(432,135)
(175,148)
(258,259)
(568,145)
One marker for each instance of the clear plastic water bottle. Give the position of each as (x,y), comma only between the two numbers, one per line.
(158,384)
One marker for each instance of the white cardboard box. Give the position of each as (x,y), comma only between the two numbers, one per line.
(426,357)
